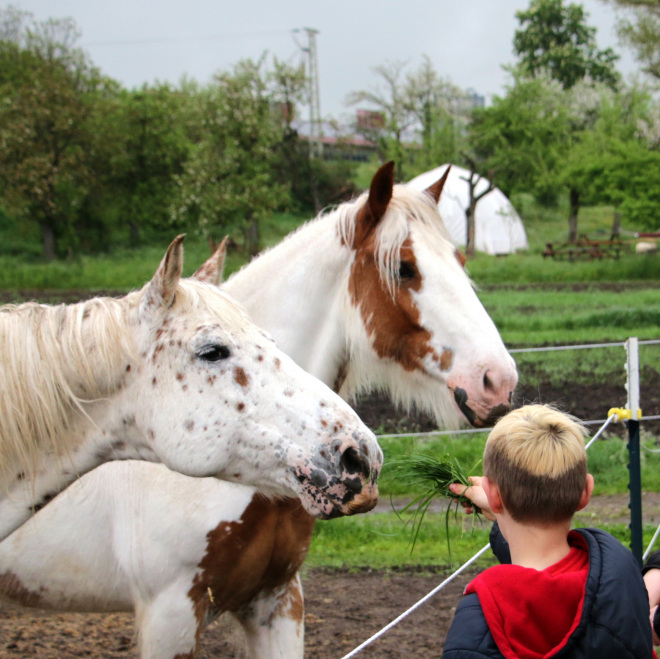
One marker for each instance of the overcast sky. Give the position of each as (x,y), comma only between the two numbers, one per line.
(468,41)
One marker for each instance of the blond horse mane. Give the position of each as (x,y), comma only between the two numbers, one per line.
(55,360)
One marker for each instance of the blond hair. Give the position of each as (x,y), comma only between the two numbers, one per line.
(536,457)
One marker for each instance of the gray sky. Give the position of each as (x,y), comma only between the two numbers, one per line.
(468,41)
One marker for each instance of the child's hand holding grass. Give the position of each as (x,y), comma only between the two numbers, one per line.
(476,495)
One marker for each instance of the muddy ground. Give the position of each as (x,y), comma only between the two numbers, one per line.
(342,608)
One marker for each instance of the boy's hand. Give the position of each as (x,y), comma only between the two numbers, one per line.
(476,495)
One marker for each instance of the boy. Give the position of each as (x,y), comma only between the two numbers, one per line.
(558,593)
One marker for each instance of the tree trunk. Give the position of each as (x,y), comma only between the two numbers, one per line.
(573,217)
(252,235)
(314,187)
(48,240)
(469,238)
(616,226)
(134,233)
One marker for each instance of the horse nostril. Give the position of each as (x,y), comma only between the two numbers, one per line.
(489,385)
(351,462)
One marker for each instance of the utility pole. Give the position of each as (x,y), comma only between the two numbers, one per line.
(315,143)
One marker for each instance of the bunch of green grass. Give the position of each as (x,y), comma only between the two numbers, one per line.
(433,476)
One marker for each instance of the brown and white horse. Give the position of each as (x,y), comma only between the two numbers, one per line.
(368,296)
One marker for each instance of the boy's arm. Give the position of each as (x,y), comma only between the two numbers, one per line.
(499,545)
(651,572)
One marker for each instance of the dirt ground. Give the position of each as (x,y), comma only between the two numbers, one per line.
(343,608)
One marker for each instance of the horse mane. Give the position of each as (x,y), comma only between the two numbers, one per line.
(407,206)
(193,294)
(55,360)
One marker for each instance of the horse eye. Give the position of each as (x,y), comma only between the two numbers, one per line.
(407,271)
(214,353)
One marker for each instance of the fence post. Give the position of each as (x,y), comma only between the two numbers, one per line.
(634,461)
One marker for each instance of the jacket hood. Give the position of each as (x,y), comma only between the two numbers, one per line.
(532,613)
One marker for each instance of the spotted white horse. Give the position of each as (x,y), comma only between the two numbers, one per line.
(370,295)
(173,373)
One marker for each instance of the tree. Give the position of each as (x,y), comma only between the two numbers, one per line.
(394,109)
(615,162)
(420,104)
(46,85)
(523,136)
(473,199)
(556,38)
(229,180)
(149,149)
(639,28)
(441,111)
(541,138)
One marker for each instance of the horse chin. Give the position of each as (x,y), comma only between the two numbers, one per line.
(318,504)
(473,418)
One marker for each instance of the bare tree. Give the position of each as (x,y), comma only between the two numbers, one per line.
(473,200)
(395,110)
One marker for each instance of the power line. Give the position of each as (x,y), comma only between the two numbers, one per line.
(212,37)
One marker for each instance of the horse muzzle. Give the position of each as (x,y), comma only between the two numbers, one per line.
(341,479)
(480,418)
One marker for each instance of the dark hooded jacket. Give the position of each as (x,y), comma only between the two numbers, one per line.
(605,615)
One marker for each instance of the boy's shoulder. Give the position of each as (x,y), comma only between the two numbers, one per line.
(606,550)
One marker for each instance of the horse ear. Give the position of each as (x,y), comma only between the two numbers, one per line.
(159,292)
(211,270)
(435,190)
(380,193)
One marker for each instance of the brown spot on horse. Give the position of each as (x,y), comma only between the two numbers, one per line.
(254,556)
(241,377)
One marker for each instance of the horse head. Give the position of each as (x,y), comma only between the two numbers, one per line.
(215,396)
(418,310)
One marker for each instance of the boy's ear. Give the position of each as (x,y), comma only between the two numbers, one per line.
(493,495)
(587,492)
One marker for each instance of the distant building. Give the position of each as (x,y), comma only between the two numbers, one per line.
(352,141)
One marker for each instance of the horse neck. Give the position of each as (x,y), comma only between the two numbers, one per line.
(104,431)
(297,292)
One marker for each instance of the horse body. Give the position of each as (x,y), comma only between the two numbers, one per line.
(370,296)
(176,550)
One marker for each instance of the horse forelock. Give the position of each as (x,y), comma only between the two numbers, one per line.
(408,209)
(55,360)
(193,296)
